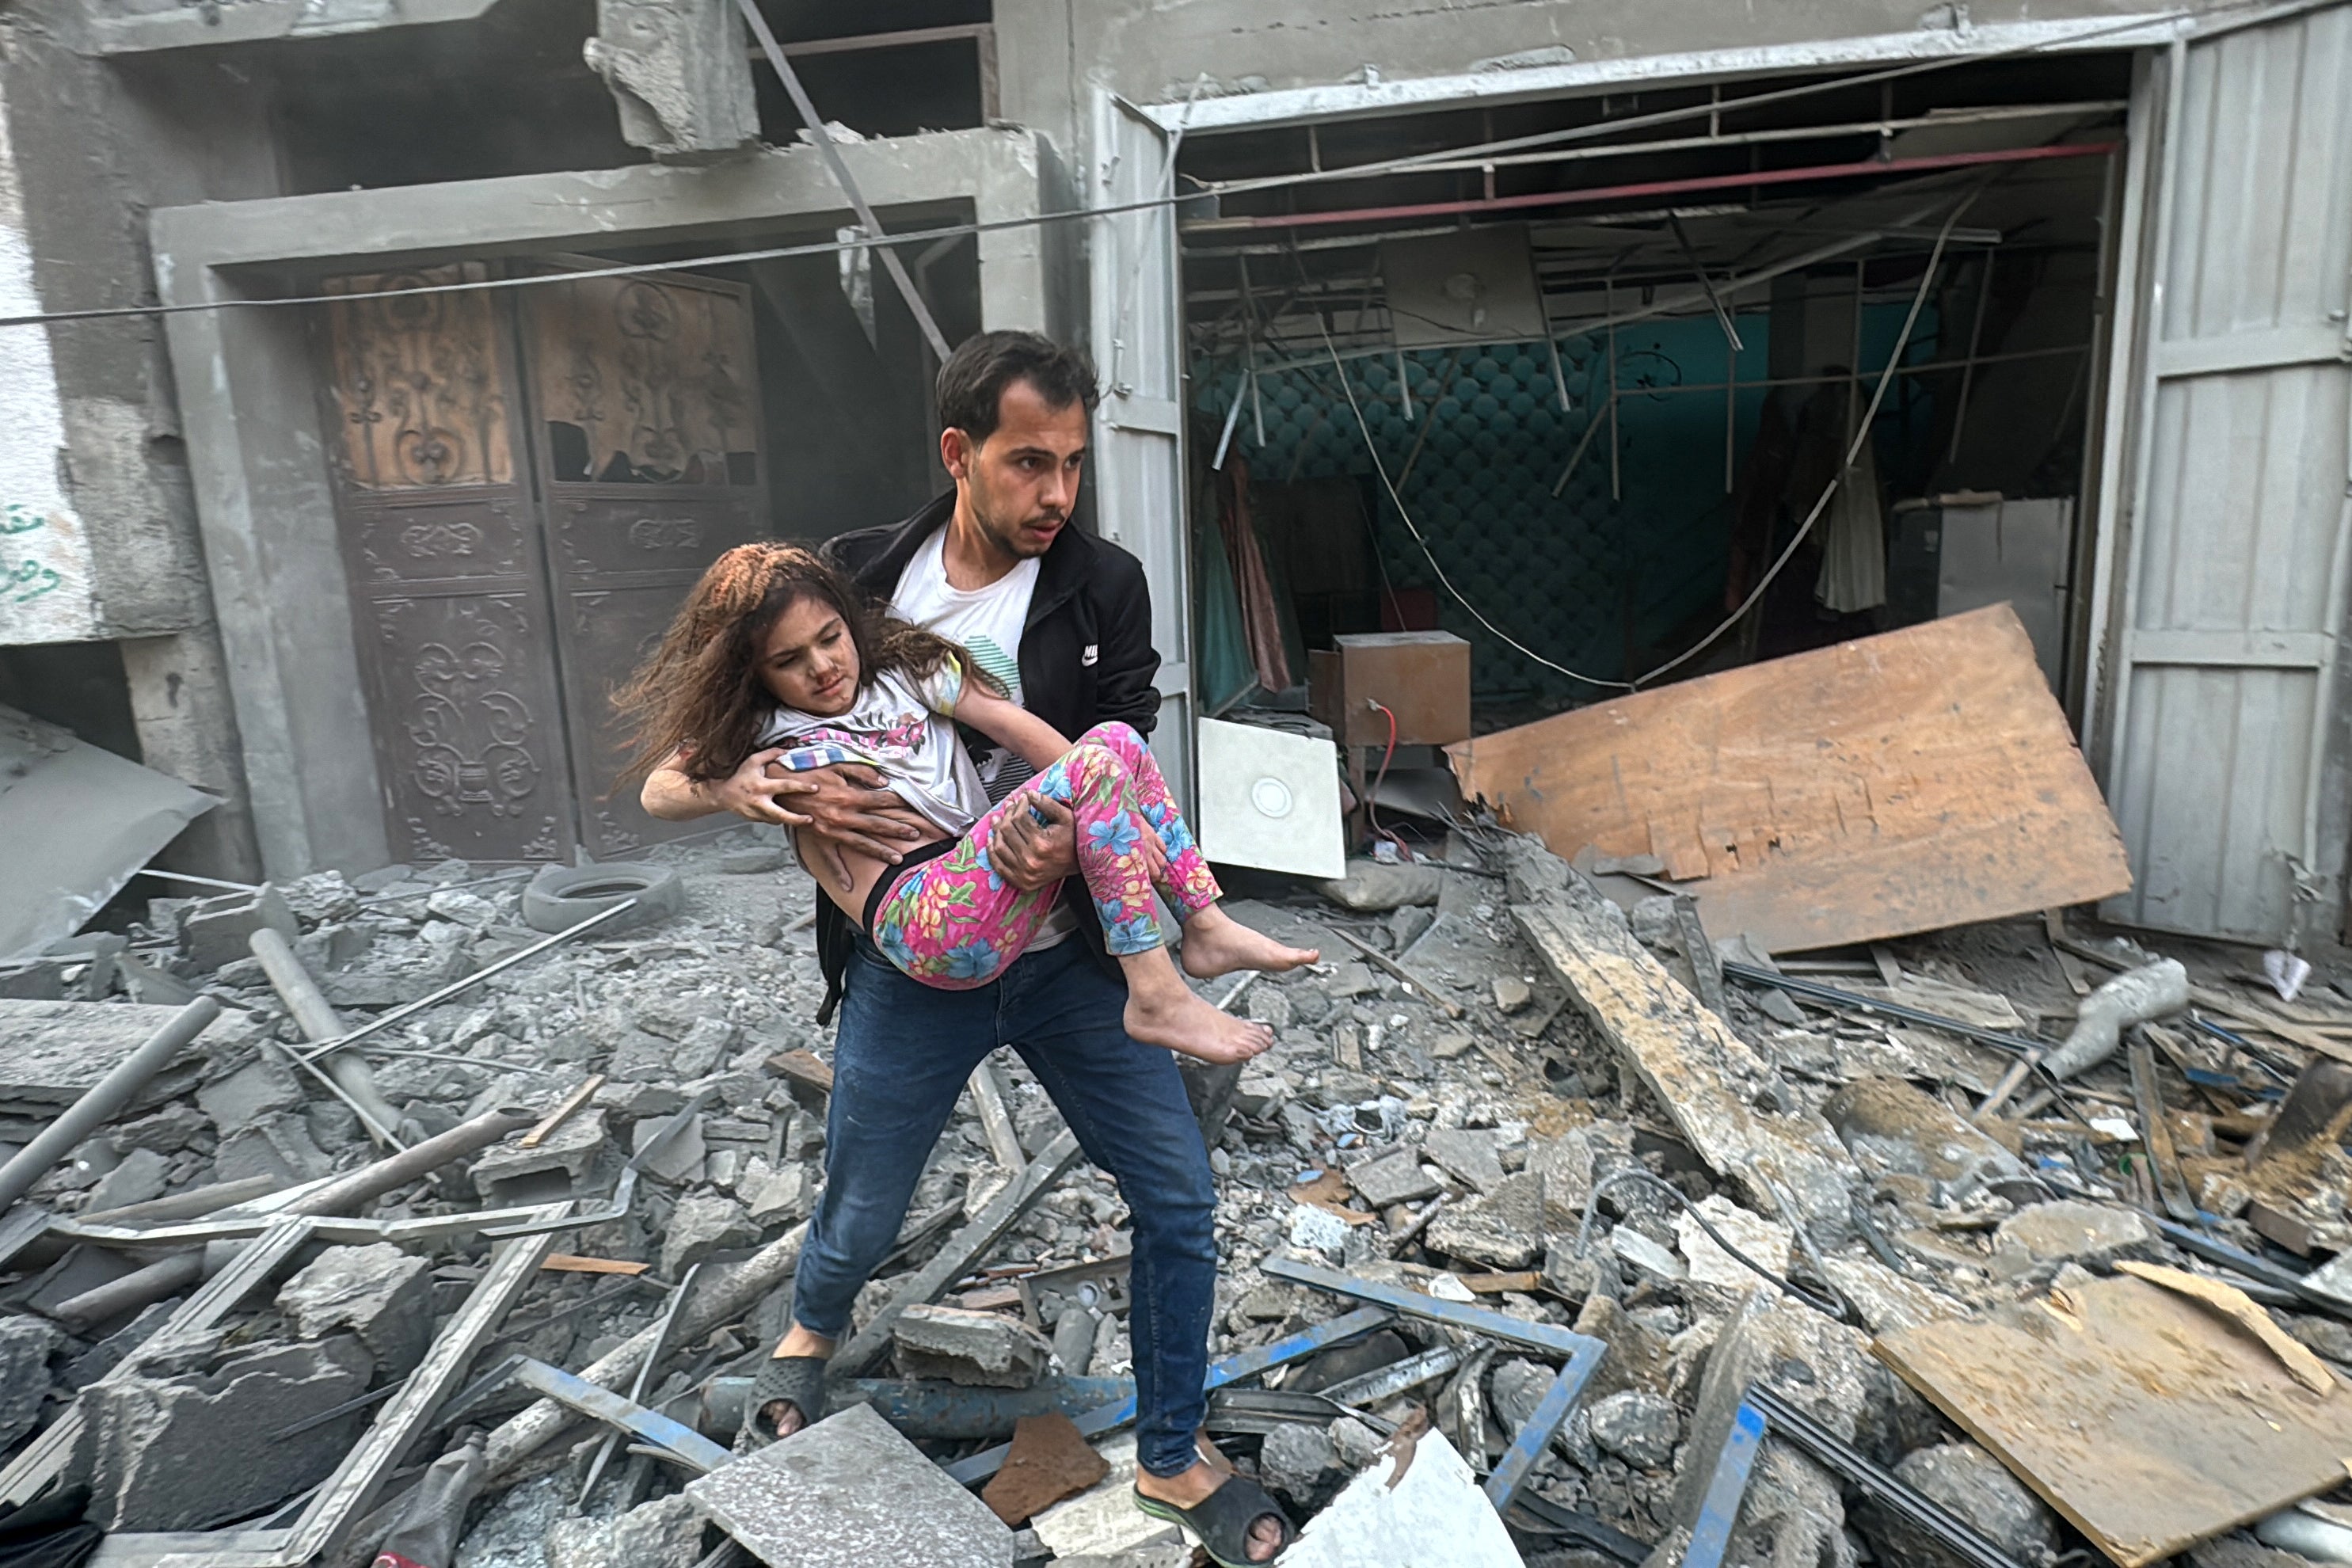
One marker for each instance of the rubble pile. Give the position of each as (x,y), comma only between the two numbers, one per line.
(1551,1232)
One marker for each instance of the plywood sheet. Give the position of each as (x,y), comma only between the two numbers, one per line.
(2148,1420)
(1902,782)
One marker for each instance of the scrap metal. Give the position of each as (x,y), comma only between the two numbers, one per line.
(101,1102)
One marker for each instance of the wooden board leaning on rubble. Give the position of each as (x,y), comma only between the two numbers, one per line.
(1710,1081)
(1902,783)
(2148,1421)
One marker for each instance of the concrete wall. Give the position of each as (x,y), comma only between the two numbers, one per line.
(1054,53)
(93,482)
(246,380)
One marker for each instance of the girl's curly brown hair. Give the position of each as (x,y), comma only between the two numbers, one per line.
(697,702)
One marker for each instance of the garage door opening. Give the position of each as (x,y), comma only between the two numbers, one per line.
(1575,395)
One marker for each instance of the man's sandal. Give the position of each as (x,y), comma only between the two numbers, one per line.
(795,1380)
(1221,1520)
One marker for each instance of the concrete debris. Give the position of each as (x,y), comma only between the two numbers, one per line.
(1972,1484)
(1382,1134)
(379,1294)
(199,1449)
(217,931)
(665,1533)
(1418,1504)
(853,1483)
(981,1349)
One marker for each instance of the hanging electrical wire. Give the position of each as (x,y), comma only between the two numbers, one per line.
(1878,394)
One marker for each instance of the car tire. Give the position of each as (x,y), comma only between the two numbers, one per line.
(561,897)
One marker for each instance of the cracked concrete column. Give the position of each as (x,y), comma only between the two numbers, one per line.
(680,73)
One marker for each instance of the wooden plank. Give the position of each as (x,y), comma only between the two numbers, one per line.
(1711,1083)
(1897,783)
(2143,1419)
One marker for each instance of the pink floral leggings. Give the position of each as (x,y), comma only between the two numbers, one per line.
(954,923)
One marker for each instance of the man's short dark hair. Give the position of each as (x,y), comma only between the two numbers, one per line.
(971,383)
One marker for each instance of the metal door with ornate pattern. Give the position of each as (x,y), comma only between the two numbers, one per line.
(525,495)
(441,542)
(645,402)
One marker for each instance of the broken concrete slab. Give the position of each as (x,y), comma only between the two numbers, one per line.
(1503,1230)
(215,932)
(1049,1459)
(278,1146)
(702,1224)
(1889,1125)
(263,1087)
(1395,1178)
(53,1053)
(571,1149)
(379,1294)
(665,1533)
(977,1348)
(24,1345)
(1104,1522)
(138,1179)
(1731,1106)
(1472,1158)
(1418,1503)
(197,1449)
(1299,1463)
(2069,1231)
(1759,1239)
(853,1483)
(1975,1486)
(1638,1427)
(680,1159)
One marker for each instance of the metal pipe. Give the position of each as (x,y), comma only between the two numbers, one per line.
(400,1015)
(1867,168)
(194,1203)
(348,1077)
(135,1289)
(399,1169)
(104,1101)
(841,176)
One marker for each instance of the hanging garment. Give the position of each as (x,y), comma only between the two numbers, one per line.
(1853,530)
(1261,617)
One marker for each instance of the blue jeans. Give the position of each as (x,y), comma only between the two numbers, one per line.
(900,1058)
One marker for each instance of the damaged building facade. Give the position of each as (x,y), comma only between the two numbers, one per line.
(1518,322)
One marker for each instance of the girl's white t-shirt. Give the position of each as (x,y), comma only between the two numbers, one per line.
(903,729)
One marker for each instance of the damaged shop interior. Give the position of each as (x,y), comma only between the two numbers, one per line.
(1572,403)
(1720,1126)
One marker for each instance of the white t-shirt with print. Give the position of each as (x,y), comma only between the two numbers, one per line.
(987,621)
(905,730)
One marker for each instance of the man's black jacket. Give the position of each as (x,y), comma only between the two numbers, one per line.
(1085,660)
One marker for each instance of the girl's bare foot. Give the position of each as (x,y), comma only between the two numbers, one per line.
(1163,1011)
(1215,943)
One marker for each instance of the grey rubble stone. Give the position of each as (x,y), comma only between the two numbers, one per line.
(1371,888)
(1890,1125)
(139,1178)
(702,1224)
(1472,1158)
(2068,1231)
(379,1293)
(106,1354)
(681,1159)
(263,1087)
(1824,1368)
(214,932)
(194,1450)
(514,1533)
(1574,1278)
(851,1482)
(280,1146)
(1503,1229)
(2240,1551)
(1301,1463)
(462,907)
(665,1533)
(177,1127)
(24,1346)
(571,1149)
(1972,1484)
(1512,993)
(1638,1427)
(780,1197)
(1356,1444)
(1396,1177)
(1638,1252)
(648,1057)
(983,1349)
